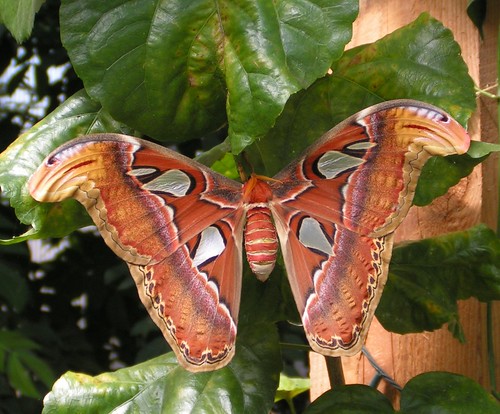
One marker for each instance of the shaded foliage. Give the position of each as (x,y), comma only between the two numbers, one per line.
(80,311)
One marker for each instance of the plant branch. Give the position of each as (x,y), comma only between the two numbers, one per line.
(335,371)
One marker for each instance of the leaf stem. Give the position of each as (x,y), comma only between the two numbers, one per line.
(335,371)
(291,405)
(485,92)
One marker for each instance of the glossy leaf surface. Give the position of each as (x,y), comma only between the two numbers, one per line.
(18,16)
(431,70)
(432,392)
(350,399)
(187,65)
(160,385)
(444,392)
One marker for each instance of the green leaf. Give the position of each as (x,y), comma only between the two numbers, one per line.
(441,173)
(479,253)
(226,166)
(177,70)
(419,61)
(446,393)
(481,149)
(14,341)
(3,358)
(476,9)
(21,365)
(290,387)
(38,367)
(14,289)
(426,278)
(160,385)
(351,399)
(78,115)
(267,302)
(20,378)
(214,154)
(18,16)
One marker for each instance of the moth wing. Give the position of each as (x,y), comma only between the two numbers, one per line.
(176,223)
(337,277)
(363,173)
(337,206)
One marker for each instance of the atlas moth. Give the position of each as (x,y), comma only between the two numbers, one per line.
(180,226)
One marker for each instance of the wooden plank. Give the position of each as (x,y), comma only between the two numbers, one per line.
(472,201)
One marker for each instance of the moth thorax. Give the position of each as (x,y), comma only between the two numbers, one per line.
(261,241)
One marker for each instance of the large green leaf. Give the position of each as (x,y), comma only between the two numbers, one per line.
(431,392)
(419,61)
(177,70)
(426,278)
(446,393)
(160,385)
(18,16)
(78,115)
(351,399)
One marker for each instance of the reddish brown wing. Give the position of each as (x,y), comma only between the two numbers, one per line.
(336,208)
(178,226)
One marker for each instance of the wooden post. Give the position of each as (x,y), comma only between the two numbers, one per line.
(473,200)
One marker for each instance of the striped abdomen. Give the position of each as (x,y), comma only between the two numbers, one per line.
(261,242)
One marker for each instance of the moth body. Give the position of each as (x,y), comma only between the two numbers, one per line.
(261,240)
